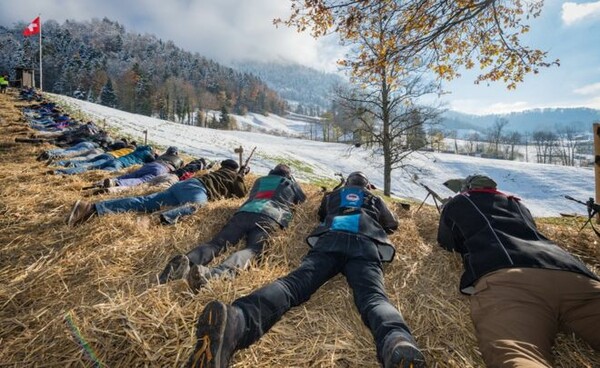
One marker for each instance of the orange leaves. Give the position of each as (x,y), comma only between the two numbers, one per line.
(390,34)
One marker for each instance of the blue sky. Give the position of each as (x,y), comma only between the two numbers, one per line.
(225,30)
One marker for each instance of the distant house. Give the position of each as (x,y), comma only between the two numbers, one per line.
(25,78)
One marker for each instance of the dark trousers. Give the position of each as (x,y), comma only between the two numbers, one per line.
(255,227)
(357,258)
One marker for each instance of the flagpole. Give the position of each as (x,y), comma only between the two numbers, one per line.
(41,85)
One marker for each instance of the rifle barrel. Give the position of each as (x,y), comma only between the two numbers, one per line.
(575,200)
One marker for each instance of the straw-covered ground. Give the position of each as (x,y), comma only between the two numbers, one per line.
(87,296)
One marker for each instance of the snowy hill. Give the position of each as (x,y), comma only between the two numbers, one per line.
(541,187)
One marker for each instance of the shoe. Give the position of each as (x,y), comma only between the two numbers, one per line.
(218,330)
(198,277)
(177,268)
(81,212)
(43,156)
(109,183)
(100,191)
(400,351)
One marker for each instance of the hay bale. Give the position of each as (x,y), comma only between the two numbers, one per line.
(74,296)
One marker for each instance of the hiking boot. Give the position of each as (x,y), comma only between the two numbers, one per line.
(218,330)
(43,156)
(109,183)
(81,212)
(400,351)
(177,268)
(198,277)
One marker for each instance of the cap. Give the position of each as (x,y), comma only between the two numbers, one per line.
(281,170)
(230,164)
(172,150)
(475,181)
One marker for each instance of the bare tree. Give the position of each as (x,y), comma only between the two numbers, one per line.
(544,144)
(391,126)
(566,144)
(494,134)
(512,139)
(472,140)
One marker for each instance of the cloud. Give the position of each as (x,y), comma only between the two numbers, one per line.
(588,89)
(479,107)
(573,12)
(222,30)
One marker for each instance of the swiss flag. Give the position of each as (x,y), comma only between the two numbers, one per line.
(33,28)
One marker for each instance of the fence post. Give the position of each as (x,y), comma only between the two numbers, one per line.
(597,164)
(146,137)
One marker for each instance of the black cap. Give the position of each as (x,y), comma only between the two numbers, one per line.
(281,170)
(230,164)
(357,178)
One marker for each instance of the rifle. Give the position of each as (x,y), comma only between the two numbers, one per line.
(592,210)
(245,165)
(436,197)
(338,186)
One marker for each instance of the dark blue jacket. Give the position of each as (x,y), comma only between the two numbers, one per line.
(353,209)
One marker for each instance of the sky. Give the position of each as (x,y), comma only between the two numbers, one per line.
(227,30)
(541,187)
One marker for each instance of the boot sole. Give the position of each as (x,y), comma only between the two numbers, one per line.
(210,329)
(407,356)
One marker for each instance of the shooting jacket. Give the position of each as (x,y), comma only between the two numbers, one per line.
(274,196)
(223,183)
(493,231)
(353,209)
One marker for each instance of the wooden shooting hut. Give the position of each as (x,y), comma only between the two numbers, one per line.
(25,78)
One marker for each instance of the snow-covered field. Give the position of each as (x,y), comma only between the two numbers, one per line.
(541,187)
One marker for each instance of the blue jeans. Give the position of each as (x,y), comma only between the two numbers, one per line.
(187,191)
(357,258)
(78,149)
(108,165)
(79,159)
(142,175)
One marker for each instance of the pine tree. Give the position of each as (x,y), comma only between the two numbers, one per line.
(107,95)
(224,119)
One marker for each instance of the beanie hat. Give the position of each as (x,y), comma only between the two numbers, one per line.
(357,178)
(281,170)
(172,150)
(230,164)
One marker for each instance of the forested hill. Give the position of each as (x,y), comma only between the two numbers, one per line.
(309,91)
(100,61)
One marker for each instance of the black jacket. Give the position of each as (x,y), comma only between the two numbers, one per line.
(274,196)
(493,231)
(171,161)
(353,209)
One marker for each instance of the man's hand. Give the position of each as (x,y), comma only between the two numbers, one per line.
(244,170)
